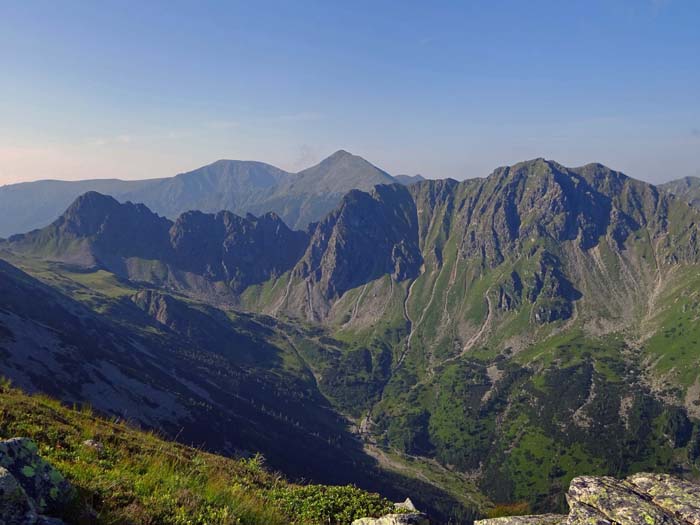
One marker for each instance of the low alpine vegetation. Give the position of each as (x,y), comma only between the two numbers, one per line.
(127,476)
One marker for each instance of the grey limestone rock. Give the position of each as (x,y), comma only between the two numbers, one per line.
(45,487)
(642,499)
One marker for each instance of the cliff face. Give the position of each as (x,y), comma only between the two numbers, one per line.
(370,235)
(642,499)
(239,251)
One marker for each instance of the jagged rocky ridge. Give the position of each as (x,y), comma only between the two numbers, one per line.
(195,251)
(557,224)
(370,235)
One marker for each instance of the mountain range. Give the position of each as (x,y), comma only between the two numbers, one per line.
(483,340)
(238,186)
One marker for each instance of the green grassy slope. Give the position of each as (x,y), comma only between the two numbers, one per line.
(139,478)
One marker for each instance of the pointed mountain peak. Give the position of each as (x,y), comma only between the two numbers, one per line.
(341,153)
(682,183)
(342,172)
(687,188)
(342,156)
(93,199)
(89,207)
(91,212)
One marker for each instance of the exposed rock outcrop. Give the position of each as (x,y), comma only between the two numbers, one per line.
(642,499)
(675,495)
(536,519)
(30,487)
(237,250)
(414,518)
(408,515)
(15,507)
(369,235)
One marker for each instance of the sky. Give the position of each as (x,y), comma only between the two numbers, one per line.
(445,89)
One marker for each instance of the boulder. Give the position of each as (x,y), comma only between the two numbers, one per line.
(537,519)
(678,496)
(616,501)
(15,506)
(46,488)
(414,518)
(584,514)
(408,515)
(406,505)
(94,445)
(642,499)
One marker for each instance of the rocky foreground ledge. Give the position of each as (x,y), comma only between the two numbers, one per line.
(408,515)
(642,499)
(31,490)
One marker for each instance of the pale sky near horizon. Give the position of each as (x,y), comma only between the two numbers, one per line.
(446,89)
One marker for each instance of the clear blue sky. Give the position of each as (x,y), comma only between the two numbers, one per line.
(146,89)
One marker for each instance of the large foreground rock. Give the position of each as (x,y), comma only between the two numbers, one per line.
(642,499)
(15,507)
(680,497)
(30,487)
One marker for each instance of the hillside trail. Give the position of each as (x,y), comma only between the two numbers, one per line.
(651,308)
(453,279)
(284,297)
(356,308)
(411,326)
(312,316)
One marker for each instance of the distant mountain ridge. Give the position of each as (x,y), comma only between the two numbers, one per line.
(687,188)
(407,180)
(237,186)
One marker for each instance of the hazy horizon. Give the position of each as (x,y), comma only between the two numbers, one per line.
(137,91)
(427,176)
